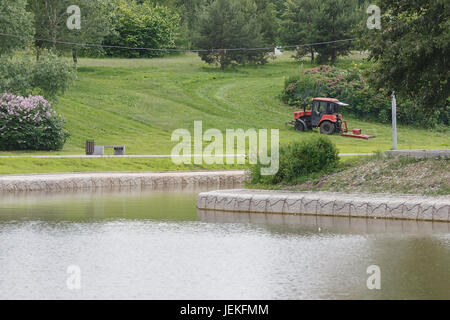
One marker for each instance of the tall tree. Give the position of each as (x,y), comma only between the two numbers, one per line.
(51,23)
(189,11)
(312,21)
(337,20)
(230,24)
(15,21)
(298,25)
(412,50)
(267,15)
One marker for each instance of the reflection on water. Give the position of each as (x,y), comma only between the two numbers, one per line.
(154,245)
(319,223)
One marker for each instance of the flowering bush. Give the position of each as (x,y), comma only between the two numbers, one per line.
(350,86)
(29,124)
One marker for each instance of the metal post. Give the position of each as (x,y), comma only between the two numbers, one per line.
(394,121)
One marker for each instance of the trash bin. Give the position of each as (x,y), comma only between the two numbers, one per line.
(90,147)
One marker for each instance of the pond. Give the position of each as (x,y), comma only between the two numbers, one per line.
(147,244)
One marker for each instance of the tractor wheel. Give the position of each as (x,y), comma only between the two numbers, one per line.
(327,127)
(299,126)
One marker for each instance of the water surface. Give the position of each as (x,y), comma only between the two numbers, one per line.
(151,244)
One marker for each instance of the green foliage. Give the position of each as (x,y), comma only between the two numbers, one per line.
(15,20)
(30,124)
(51,23)
(300,161)
(142,25)
(230,24)
(411,52)
(49,76)
(15,76)
(267,15)
(189,11)
(337,20)
(312,21)
(52,75)
(298,27)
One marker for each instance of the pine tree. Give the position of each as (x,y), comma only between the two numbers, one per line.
(230,24)
(298,25)
(336,21)
(312,21)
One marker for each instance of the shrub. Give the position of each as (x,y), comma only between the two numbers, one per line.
(29,124)
(52,75)
(142,25)
(299,161)
(24,76)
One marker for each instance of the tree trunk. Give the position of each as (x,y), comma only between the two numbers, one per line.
(312,54)
(38,52)
(333,57)
(222,60)
(74,56)
(54,44)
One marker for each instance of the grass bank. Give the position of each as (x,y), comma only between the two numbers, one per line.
(385,175)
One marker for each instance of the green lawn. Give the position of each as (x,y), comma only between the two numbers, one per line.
(139,102)
(30,165)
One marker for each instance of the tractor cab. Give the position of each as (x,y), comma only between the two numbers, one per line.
(324,113)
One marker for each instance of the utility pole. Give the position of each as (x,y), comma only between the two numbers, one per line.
(394,120)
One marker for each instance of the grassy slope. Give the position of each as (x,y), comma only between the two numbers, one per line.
(140,102)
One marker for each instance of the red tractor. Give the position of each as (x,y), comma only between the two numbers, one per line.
(324,114)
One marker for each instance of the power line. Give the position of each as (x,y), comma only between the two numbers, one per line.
(97,45)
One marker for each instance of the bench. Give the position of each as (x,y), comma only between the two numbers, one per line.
(92,149)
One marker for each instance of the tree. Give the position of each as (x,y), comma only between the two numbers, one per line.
(51,24)
(15,20)
(297,26)
(188,10)
(411,51)
(142,25)
(267,15)
(230,24)
(311,21)
(337,20)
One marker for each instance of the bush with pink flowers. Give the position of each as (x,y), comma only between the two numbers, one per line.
(29,123)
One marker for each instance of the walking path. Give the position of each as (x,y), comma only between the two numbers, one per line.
(148,156)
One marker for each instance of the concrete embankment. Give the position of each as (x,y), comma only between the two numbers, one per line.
(409,207)
(78,181)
